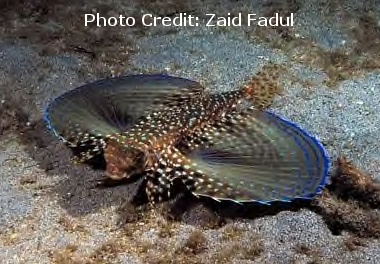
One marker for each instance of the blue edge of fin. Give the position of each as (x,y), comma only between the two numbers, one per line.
(327,160)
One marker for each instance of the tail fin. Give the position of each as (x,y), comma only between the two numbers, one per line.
(263,87)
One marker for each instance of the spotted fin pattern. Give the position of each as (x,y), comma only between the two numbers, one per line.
(84,117)
(223,145)
(158,186)
(257,156)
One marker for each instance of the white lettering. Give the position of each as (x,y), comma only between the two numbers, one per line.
(273,21)
(145,23)
(251,19)
(166,21)
(88,21)
(263,22)
(112,21)
(129,21)
(210,21)
(98,18)
(179,21)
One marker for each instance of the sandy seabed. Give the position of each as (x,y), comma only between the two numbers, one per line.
(329,62)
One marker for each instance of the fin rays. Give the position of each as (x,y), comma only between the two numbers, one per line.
(111,106)
(224,152)
(295,169)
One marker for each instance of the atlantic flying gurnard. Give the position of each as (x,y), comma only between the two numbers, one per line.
(226,146)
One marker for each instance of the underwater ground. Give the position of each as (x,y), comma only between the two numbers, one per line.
(51,210)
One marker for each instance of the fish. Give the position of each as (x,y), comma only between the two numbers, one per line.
(225,146)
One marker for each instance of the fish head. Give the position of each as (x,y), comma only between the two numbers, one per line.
(123,161)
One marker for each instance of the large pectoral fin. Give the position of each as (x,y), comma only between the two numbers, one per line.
(85,116)
(257,156)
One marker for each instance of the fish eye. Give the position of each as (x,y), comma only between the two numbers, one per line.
(139,156)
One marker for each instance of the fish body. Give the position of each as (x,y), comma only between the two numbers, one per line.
(225,146)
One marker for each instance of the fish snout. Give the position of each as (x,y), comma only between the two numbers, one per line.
(115,173)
